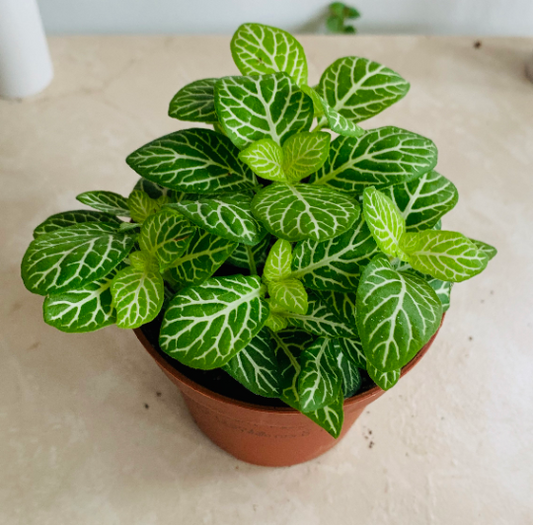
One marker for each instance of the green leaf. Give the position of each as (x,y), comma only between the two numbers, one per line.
(193,160)
(138,296)
(206,325)
(195,102)
(228,216)
(340,124)
(335,264)
(257,48)
(384,380)
(384,221)
(443,290)
(320,379)
(341,304)
(276,321)
(240,256)
(262,107)
(397,313)
(71,218)
(256,366)
(141,206)
(353,350)
(265,158)
(424,200)
(153,190)
(84,310)
(335,24)
(105,201)
(351,377)
(203,257)
(379,158)
(72,257)
(304,153)
(359,89)
(165,236)
(445,255)
(330,417)
(318,101)
(303,211)
(278,262)
(290,294)
(487,249)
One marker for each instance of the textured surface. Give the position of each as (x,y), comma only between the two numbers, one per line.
(450,444)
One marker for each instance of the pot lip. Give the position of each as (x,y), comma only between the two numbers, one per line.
(373,392)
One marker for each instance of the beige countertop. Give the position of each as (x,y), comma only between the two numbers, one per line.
(85,438)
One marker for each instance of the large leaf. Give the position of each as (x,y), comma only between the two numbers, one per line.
(105,201)
(336,264)
(359,89)
(290,294)
(384,221)
(384,380)
(193,160)
(397,313)
(262,107)
(445,255)
(204,255)
(351,377)
(166,235)
(303,211)
(379,158)
(195,102)
(320,378)
(304,153)
(257,48)
(71,218)
(72,257)
(424,200)
(242,254)
(206,325)
(265,158)
(256,366)
(228,216)
(278,262)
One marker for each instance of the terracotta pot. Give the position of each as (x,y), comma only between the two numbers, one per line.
(268,436)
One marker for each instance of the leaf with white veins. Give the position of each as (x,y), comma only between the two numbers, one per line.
(304,153)
(384,380)
(105,201)
(265,158)
(290,294)
(71,218)
(141,205)
(330,417)
(241,257)
(351,377)
(278,261)
(195,102)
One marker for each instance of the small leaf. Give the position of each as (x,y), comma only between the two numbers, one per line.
(228,216)
(320,379)
(195,102)
(290,294)
(265,158)
(318,102)
(303,211)
(69,258)
(384,221)
(71,218)
(384,380)
(304,153)
(397,313)
(278,262)
(153,190)
(105,201)
(487,249)
(351,377)
(262,107)
(353,350)
(276,322)
(443,290)
(138,296)
(141,206)
(445,255)
(333,119)
(256,366)
(341,304)
(330,417)
(257,48)
(240,256)
(206,325)
(193,160)
(379,158)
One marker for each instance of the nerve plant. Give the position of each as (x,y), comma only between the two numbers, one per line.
(337,234)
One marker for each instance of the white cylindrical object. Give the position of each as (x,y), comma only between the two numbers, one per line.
(25,64)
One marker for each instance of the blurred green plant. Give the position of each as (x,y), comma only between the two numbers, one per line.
(338,14)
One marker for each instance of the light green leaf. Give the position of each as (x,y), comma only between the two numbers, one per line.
(303,211)
(443,290)
(290,294)
(257,48)
(71,218)
(359,89)
(379,158)
(330,417)
(256,366)
(195,102)
(141,206)
(318,101)
(105,201)
(487,249)
(203,257)
(241,257)
(265,158)
(335,264)
(72,257)
(278,262)
(206,325)
(166,235)
(138,296)
(445,255)
(83,310)
(397,313)
(228,216)
(384,380)
(351,377)
(304,153)
(261,107)
(320,378)
(424,200)
(193,160)
(276,321)
(384,221)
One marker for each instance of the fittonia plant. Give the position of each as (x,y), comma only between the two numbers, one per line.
(343,265)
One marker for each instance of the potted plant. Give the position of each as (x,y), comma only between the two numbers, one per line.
(285,267)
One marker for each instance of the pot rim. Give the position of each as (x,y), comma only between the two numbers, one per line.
(375,391)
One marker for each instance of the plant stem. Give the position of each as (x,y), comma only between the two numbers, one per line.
(251,261)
